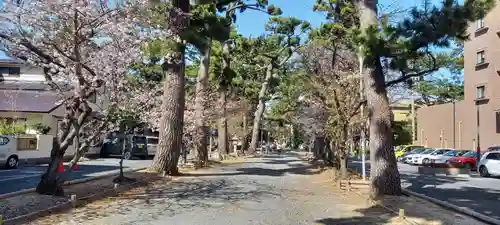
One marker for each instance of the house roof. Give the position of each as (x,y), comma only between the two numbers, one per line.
(28,101)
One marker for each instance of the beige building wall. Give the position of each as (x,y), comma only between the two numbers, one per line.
(435,123)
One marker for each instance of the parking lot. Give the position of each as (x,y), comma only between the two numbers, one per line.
(476,193)
(26,177)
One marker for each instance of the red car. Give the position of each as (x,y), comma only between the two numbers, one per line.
(467,160)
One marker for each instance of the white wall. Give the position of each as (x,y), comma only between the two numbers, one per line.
(44,146)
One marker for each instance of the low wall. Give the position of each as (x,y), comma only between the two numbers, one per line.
(42,152)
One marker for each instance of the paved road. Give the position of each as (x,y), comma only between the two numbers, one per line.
(26,177)
(476,193)
(273,190)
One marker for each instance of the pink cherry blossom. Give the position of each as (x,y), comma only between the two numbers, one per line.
(90,45)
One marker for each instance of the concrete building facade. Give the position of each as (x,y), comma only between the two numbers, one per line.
(455,125)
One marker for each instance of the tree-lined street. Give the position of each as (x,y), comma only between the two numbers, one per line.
(186,73)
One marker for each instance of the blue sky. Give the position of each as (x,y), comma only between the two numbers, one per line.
(252,22)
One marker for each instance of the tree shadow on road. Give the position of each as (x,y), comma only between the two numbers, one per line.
(166,199)
(367,216)
(290,168)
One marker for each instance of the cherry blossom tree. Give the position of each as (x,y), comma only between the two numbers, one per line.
(88,44)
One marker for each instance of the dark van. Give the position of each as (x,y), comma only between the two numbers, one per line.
(135,146)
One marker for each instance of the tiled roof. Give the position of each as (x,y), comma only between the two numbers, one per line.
(28,101)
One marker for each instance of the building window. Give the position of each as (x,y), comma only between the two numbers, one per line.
(480,58)
(480,92)
(497,120)
(480,23)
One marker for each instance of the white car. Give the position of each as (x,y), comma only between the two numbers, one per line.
(426,156)
(490,164)
(8,152)
(407,157)
(411,158)
(443,159)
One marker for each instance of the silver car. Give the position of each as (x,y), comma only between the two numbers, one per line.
(443,159)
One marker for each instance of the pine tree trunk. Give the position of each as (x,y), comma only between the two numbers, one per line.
(51,181)
(385,178)
(260,109)
(222,138)
(172,119)
(201,130)
(171,124)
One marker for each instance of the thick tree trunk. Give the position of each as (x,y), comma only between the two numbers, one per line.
(319,147)
(51,181)
(385,178)
(260,109)
(172,120)
(222,138)
(224,81)
(201,130)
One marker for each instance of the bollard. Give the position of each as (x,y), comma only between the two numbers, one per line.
(402,213)
(73,200)
(1,220)
(116,185)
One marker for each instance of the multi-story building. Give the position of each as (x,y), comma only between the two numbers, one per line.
(462,123)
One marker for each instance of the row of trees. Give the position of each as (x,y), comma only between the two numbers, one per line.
(135,54)
(357,48)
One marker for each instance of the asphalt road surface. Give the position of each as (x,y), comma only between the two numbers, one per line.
(475,193)
(26,177)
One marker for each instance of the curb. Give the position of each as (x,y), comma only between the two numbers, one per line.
(479,216)
(71,182)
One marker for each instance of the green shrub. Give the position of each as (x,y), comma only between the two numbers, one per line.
(12,128)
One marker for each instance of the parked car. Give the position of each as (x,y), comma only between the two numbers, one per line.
(490,164)
(467,160)
(425,157)
(8,152)
(443,159)
(135,145)
(405,149)
(493,148)
(407,157)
